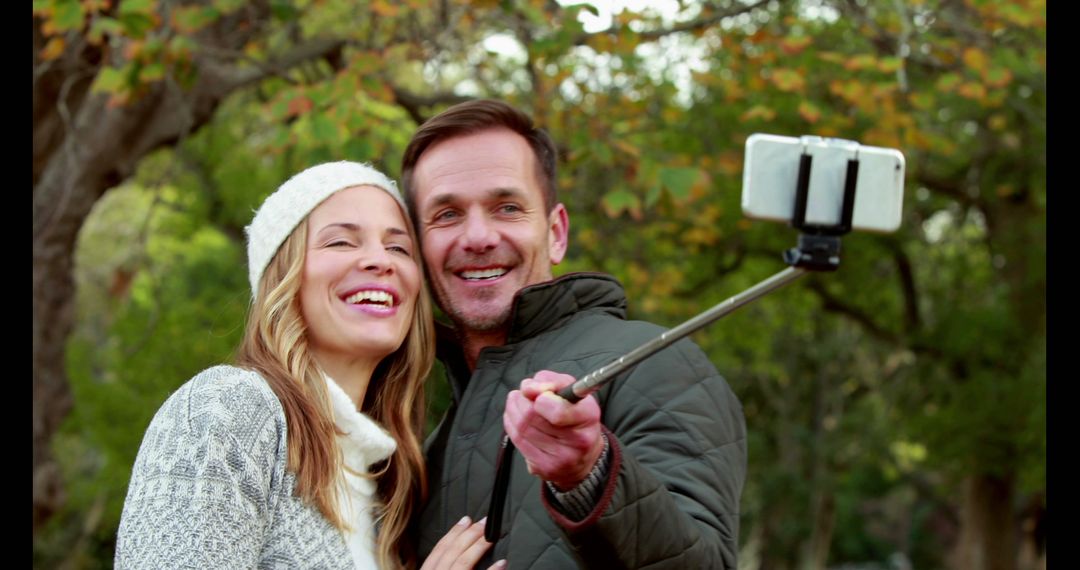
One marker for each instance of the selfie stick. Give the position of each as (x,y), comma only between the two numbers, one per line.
(596,379)
(818,250)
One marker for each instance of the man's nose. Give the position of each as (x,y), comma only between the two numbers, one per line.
(480,234)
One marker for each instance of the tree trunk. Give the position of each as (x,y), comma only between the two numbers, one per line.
(815,550)
(987,531)
(83,147)
(105,151)
(823,514)
(1033,535)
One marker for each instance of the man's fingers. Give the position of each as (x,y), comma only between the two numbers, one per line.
(545,381)
(551,422)
(520,421)
(560,413)
(517,414)
(557,379)
(531,388)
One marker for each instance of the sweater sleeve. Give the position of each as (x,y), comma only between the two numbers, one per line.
(678,443)
(200,490)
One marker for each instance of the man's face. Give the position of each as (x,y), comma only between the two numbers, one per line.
(484,230)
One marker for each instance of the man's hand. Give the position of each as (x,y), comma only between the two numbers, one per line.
(560,441)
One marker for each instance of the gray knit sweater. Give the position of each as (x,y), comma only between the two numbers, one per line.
(210,488)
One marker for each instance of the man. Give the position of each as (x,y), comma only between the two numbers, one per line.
(648,471)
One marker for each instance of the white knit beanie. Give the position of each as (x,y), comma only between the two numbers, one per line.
(283,210)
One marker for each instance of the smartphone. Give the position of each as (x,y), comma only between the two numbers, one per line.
(771,170)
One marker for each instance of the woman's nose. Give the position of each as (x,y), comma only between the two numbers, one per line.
(376,259)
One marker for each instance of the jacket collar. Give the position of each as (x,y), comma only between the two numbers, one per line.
(537,309)
(544,306)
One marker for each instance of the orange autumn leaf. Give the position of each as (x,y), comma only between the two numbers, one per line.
(299,106)
(758,112)
(788,80)
(809,112)
(860,62)
(975,59)
(794,45)
(385,9)
(53,49)
(972,90)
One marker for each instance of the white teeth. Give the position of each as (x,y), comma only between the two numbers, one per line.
(381,297)
(483,273)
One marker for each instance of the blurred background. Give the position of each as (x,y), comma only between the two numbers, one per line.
(896,408)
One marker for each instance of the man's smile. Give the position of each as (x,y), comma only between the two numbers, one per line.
(482,274)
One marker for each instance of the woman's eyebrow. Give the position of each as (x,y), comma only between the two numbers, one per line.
(343,225)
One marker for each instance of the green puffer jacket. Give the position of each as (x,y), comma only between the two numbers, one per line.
(678,442)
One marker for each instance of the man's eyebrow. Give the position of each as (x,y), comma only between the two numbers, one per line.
(500,193)
(442,199)
(493,194)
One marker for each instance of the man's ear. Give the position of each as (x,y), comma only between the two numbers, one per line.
(558,233)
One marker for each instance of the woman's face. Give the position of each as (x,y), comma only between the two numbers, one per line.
(361,279)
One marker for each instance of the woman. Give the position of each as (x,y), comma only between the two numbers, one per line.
(305,454)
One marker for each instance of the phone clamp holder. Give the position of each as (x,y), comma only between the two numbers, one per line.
(819,245)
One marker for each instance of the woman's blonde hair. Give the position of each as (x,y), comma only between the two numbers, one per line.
(275,344)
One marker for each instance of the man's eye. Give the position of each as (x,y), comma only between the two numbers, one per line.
(509,208)
(446,215)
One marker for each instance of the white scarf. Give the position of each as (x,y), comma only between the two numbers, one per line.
(365,442)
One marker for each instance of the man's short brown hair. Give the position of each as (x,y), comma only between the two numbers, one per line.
(473,117)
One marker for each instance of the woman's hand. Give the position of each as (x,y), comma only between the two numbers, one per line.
(461,548)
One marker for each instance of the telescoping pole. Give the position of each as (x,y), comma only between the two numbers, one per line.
(596,379)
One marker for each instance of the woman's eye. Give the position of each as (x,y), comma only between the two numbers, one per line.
(398,249)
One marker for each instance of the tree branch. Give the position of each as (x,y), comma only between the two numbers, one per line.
(232,78)
(702,23)
(912,320)
(195,165)
(833,304)
(696,289)
(950,188)
(693,25)
(885,42)
(413,103)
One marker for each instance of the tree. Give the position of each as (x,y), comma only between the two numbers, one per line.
(112,83)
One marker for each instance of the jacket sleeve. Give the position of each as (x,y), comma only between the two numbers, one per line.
(678,464)
(200,490)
